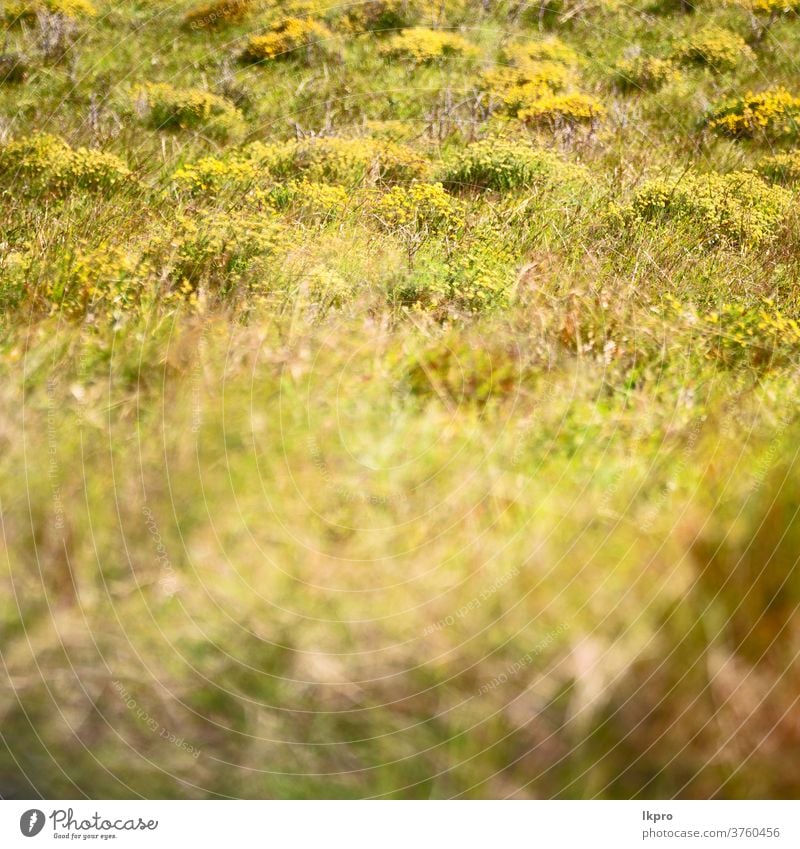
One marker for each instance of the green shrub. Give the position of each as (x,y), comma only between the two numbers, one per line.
(478,277)
(43,164)
(456,371)
(645,73)
(165,107)
(14,68)
(379,16)
(504,165)
(718,49)
(217,14)
(319,160)
(737,207)
(341,160)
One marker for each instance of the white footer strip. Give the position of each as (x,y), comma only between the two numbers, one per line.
(402,825)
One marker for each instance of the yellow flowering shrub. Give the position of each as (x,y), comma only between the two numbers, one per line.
(323,289)
(478,276)
(739,331)
(769,7)
(425,46)
(763,331)
(772,114)
(217,14)
(96,170)
(165,107)
(514,87)
(645,73)
(504,165)
(717,48)
(216,252)
(104,281)
(530,70)
(538,86)
(546,50)
(308,199)
(420,206)
(43,164)
(764,13)
(781,167)
(557,110)
(219,248)
(482,276)
(340,160)
(211,175)
(291,38)
(258,166)
(17,270)
(27,10)
(738,207)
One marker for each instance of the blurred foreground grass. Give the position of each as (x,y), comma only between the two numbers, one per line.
(292,560)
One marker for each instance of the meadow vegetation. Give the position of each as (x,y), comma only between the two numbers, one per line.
(399,399)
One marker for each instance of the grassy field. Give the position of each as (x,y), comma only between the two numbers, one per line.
(399,399)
